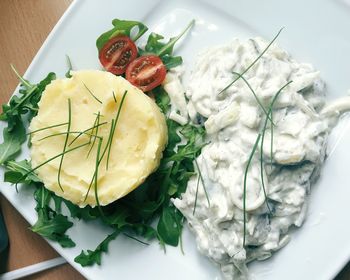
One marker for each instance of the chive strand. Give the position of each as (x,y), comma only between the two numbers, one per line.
(136,239)
(262,170)
(109,142)
(47,127)
(271,139)
(196,197)
(263,139)
(245,187)
(65,143)
(114,126)
(253,63)
(255,95)
(92,94)
(96,179)
(99,161)
(96,123)
(202,180)
(86,130)
(63,133)
(49,160)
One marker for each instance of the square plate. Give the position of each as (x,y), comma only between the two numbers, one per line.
(315,31)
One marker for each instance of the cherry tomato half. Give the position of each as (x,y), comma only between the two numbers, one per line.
(117,53)
(146,72)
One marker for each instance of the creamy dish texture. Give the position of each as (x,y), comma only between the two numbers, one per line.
(136,145)
(233,119)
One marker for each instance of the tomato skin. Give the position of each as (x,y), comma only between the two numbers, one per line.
(146,72)
(117,53)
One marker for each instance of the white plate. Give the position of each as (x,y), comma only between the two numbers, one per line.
(316,31)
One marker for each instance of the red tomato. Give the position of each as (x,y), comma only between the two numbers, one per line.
(117,53)
(146,72)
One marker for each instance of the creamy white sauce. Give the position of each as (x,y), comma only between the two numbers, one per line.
(233,120)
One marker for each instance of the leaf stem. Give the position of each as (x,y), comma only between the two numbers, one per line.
(23,81)
(173,41)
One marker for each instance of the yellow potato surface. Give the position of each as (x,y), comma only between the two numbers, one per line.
(136,148)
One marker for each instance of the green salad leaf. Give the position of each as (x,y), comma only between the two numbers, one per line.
(122,27)
(26,102)
(170,225)
(90,257)
(12,142)
(51,224)
(16,172)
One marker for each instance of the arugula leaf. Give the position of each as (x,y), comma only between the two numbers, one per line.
(162,99)
(119,217)
(87,213)
(89,257)
(144,230)
(50,224)
(121,27)
(169,227)
(26,102)
(171,61)
(16,170)
(12,142)
(53,228)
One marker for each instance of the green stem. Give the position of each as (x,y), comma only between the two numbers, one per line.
(263,139)
(48,127)
(93,95)
(201,177)
(196,197)
(63,133)
(253,63)
(23,81)
(65,143)
(96,124)
(86,130)
(173,41)
(245,187)
(115,125)
(256,97)
(96,178)
(51,159)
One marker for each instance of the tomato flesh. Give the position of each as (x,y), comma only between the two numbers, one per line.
(146,72)
(117,53)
